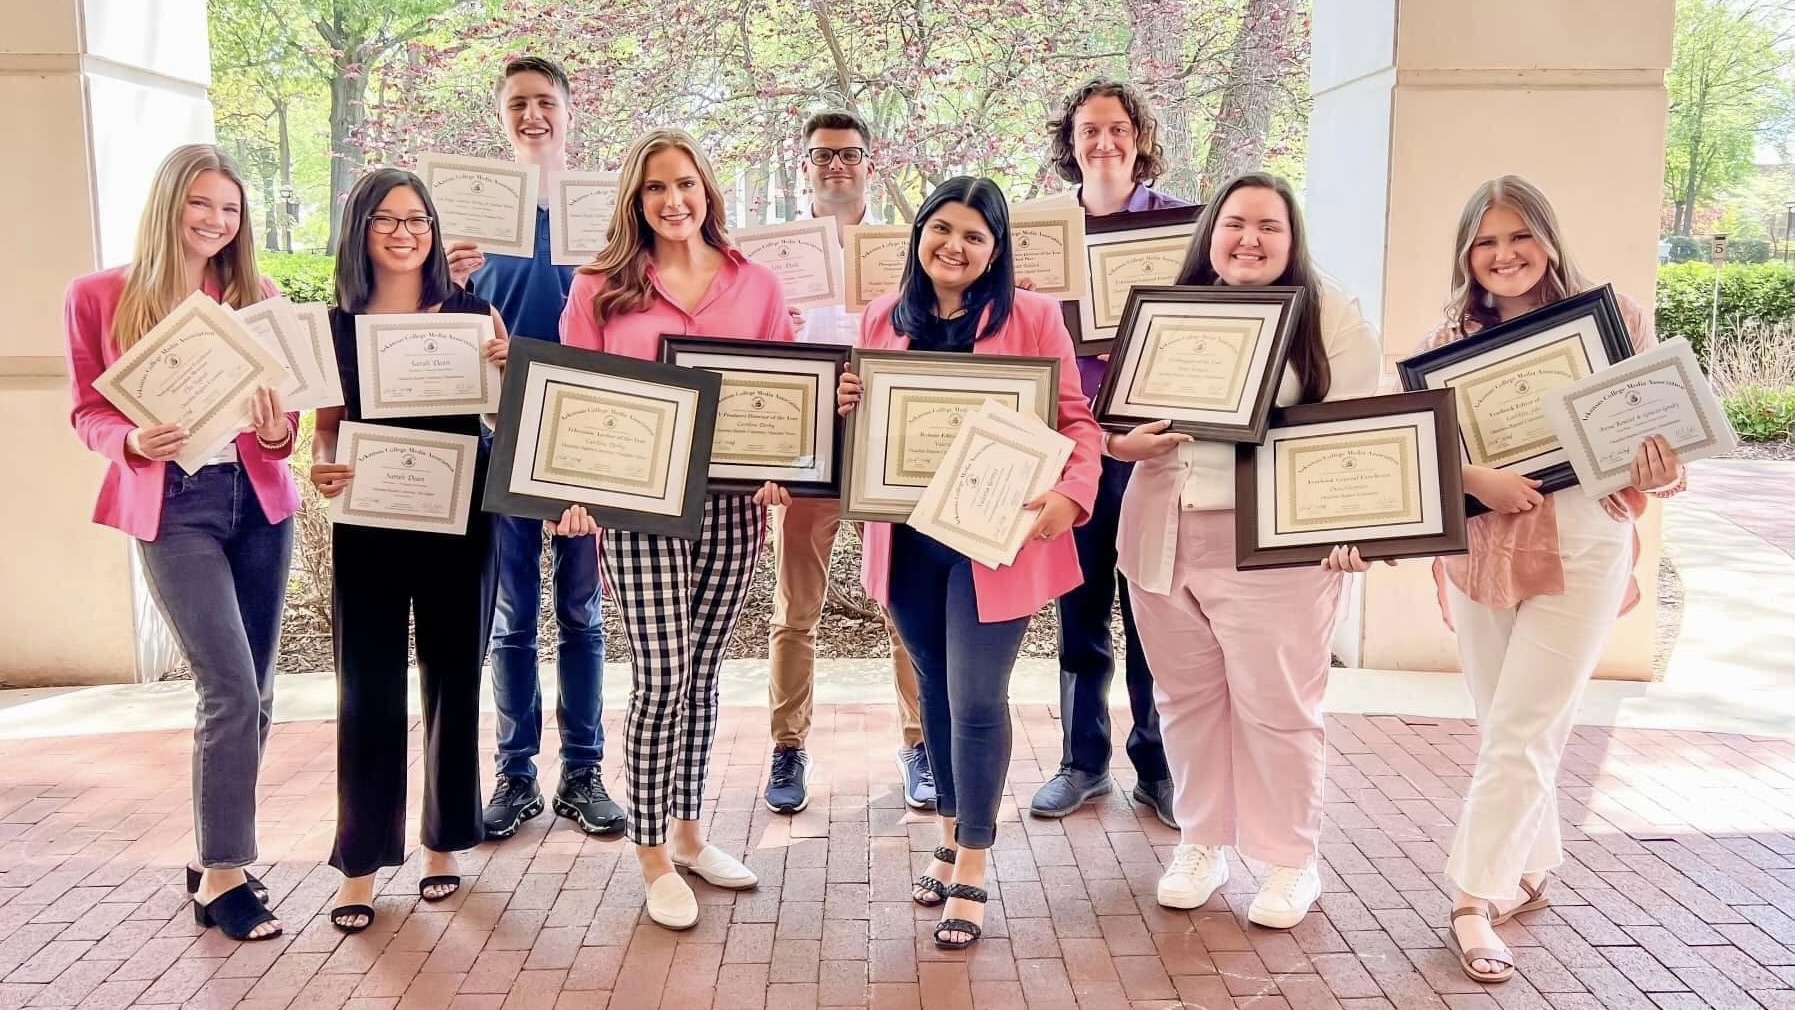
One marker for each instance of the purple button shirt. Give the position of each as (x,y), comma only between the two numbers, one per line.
(1090,370)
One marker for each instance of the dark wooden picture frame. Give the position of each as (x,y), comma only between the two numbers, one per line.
(1111,225)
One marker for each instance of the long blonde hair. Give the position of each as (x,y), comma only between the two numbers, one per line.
(629,245)
(156,280)
(1470,301)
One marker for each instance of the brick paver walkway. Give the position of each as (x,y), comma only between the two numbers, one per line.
(1678,892)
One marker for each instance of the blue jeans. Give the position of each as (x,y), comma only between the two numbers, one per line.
(516,686)
(218,571)
(963,676)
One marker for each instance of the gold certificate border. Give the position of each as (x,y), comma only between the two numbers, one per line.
(548,426)
(952,463)
(1061,232)
(1616,375)
(1251,328)
(523,226)
(560,231)
(176,321)
(1107,315)
(1570,348)
(411,440)
(898,398)
(1288,451)
(396,407)
(805,384)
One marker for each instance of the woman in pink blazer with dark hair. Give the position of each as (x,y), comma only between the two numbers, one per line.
(963,622)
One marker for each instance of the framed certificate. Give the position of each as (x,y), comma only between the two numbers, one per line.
(872,262)
(406,479)
(198,368)
(911,409)
(1122,251)
(776,416)
(1602,419)
(483,200)
(580,207)
(425,364)
(1381,473)
(628,439)
(805,254)
(1500,375)
(1207,359)
(1048,246)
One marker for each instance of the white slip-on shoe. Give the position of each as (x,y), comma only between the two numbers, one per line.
(671,902)
(1285,896)
(720,869)
(1192,876)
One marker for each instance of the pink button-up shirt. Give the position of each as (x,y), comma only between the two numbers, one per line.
(744,300)
(132,490)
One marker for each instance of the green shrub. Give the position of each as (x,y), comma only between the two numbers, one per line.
(303,277)
(1761,294)
(1761,414)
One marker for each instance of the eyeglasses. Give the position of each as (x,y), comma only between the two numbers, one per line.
(386,224)
(821,156)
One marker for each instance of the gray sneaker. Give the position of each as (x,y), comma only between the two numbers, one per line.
(1067,791)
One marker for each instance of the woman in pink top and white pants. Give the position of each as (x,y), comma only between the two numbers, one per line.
(216,542)
(669,268)
(963,622)
(1534,600)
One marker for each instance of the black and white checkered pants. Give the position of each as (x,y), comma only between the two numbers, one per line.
(678,600)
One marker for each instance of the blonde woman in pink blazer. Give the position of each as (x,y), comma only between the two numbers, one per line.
(963,622)
(216,542)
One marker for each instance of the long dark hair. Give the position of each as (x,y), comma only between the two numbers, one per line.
(1308,355)
(996,289)
(355,269)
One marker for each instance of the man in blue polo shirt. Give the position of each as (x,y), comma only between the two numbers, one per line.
(535,106)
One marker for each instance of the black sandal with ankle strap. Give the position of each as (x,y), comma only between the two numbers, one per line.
(261,889)
(972,930)
(236,912)
(930,884)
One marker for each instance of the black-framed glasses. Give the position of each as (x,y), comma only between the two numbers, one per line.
(386,224)
(821,156)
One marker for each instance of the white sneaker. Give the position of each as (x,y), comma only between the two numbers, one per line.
(1285,897)
(671,902)
(1192,876)
(720,869)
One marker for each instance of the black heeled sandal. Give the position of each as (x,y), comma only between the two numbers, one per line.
(236,912)
(342,917)
(261,889)
(930,884)
(450,880)
(972,929)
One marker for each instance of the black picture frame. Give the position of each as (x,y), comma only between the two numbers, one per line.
(1264,391)
(1493,344)
(1250,554)
(687,524)
(1087,340)
(674,344)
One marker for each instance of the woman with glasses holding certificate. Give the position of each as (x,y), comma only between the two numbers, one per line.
(216,539)
(963,622)
(669,267)
(390,262)
(1533,601)
(1240,659)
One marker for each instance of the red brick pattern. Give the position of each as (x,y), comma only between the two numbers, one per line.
(1679,891)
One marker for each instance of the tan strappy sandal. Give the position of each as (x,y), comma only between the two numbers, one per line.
(1467,955)
(1536,900)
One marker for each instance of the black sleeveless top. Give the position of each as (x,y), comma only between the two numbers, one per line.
(342,332)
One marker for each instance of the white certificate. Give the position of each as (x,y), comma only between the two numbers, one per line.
(1601,419)
(304,347)
(805,254)
(425,364)
(199,368)
(873,261)
(405,479)
(483,200)
(1048,246)
(1000,460)
(580,208)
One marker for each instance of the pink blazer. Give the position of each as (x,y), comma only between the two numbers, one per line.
(1044,570)
(131,493)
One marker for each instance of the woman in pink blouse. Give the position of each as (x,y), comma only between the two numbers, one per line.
(669,268)
(1534,600)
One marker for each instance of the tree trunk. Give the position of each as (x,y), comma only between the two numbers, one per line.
(1155,56)
(754,194)
(286,177)
(347,92)
(1243,124)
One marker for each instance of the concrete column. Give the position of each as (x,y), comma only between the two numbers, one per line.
(1416,103)
(93,93)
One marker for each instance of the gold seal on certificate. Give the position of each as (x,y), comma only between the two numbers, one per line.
(1048,244)
(1601,420)
(198,368)
(1380,473)
(806,255)
(405,479)
(580,205)
(1000,460)
(301,340)
(426,364)
(1123,252)
(483,200)
(873,257)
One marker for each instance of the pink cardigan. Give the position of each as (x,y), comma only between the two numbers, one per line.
(131,493)
(1044,570)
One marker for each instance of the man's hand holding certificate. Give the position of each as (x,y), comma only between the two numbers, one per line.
(1000,461)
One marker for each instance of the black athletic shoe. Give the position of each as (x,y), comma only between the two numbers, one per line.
(583,800)
(515,799)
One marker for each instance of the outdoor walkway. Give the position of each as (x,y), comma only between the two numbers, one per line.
(1678,892)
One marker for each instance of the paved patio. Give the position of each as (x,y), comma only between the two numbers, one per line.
(1678,893)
